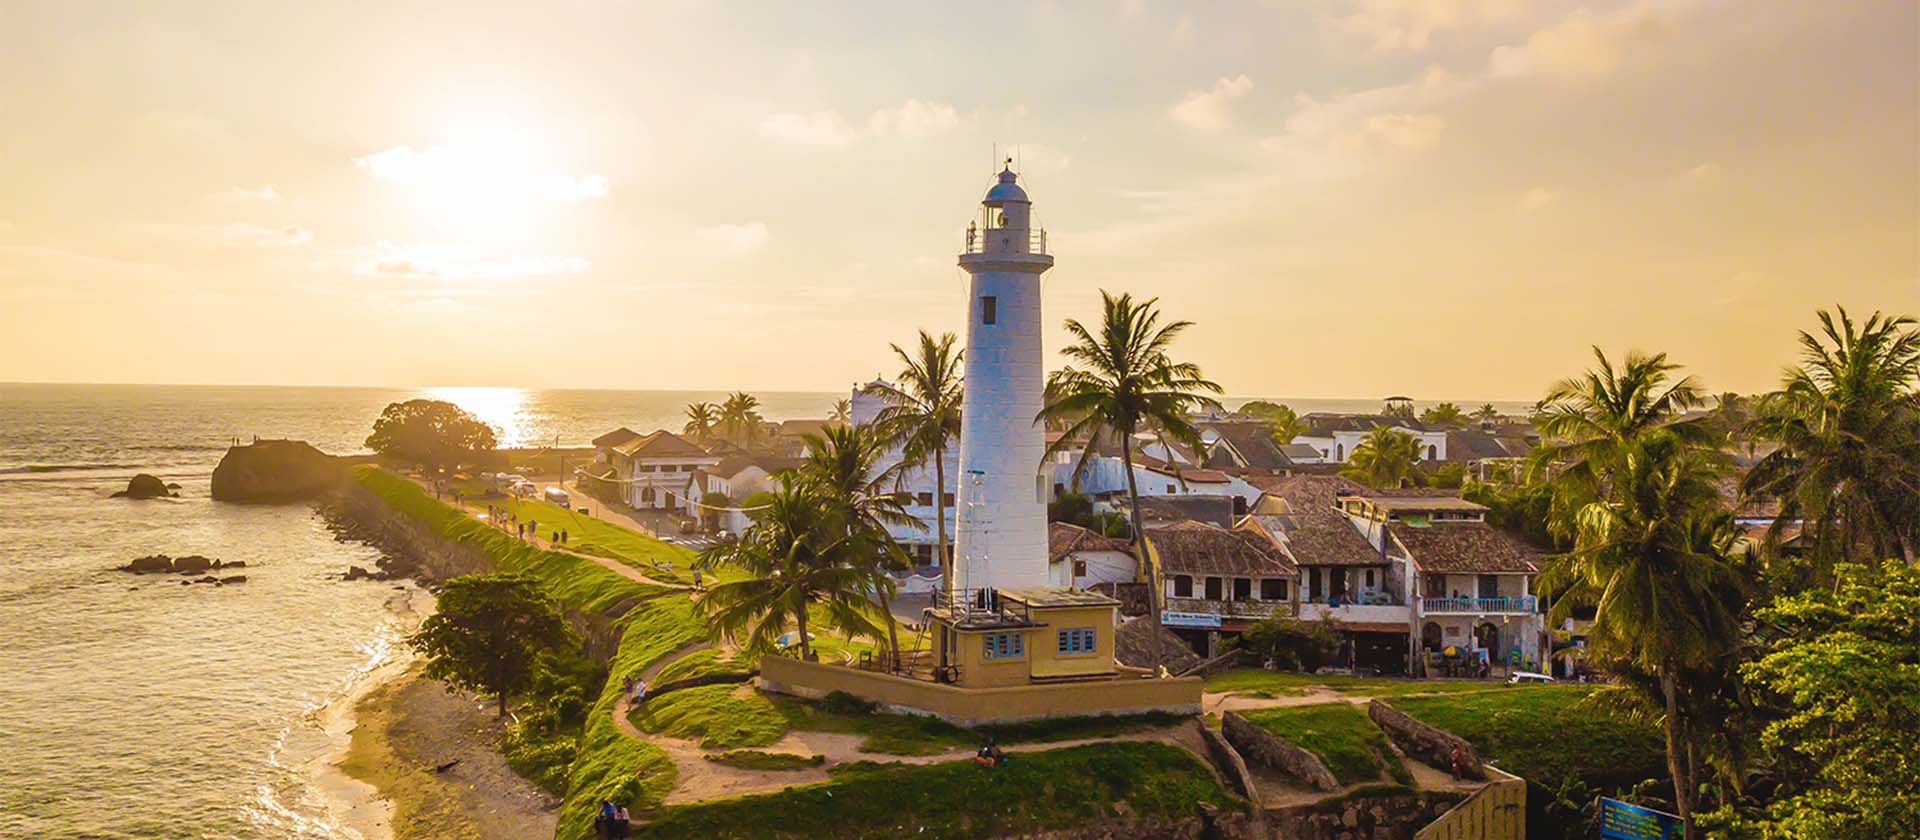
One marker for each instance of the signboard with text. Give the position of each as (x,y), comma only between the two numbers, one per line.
(1189,619)
(1626,821)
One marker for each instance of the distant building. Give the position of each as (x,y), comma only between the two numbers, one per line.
(652,470)
(1336,435)
(1081,558)
(1219,582)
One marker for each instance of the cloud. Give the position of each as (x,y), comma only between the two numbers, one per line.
(235,234)
(1537,198)
(1582,45)
(736,239)
(1406,131)
(1701,174)
(912,119)
(446,262)
(1211,110)
(469,172)
(264,192)
(1409,24)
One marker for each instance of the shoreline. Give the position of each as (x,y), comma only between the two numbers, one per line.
(357,806)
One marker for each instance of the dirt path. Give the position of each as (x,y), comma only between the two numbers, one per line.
(608,563)
(1229,701)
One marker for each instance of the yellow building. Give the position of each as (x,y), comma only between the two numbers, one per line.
(987,638)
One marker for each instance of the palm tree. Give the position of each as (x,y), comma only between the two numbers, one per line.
(1444,414)
(1588,424)
(1118,382)
(1848,424)
(740,420)
(922,418)
(843,464)
(1650,557)
(1486,413)
(1384,458)
(701,419)
(799,555)
(841,413)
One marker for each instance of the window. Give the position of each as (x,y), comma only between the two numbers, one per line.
(1079,568)
(1182,586)
(989,309)
(1074,640)
(1005,645)
(925,498)
(946,499)
(1242,589)
(1214,588)
(1369,578)
(1272,589)
(924,552)
(1171,489)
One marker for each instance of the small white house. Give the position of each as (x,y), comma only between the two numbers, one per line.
(1081,558)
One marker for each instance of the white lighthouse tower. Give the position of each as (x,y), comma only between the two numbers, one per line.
(1001,539)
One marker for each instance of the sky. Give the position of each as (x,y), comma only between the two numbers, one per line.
(1438,198)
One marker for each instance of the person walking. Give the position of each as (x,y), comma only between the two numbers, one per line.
(622,821)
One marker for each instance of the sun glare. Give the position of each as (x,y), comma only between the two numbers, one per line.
(501,408)
(479,183)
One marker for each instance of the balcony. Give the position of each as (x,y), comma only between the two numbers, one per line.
(1352,613)
(1479,606)
(1248,610)
(1006,241)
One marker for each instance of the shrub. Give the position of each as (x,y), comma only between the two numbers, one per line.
(842,703)
(1291,644)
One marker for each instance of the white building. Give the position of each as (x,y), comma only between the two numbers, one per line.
(1335,436)
(1002,522)
(653,469)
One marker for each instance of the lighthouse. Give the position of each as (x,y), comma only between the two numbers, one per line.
(1001,510)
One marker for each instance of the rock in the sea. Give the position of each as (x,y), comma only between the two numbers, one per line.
(275,471)
(155,563)
(208,579)
(144,486)
(229,564)
(192,564)
(233,579)
(359,573)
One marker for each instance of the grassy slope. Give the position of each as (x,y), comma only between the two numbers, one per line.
(1339,733)
(703,663)
(1281,684)
(959,799)
(609,765)
(759,760)
(1538,732)
(598,537)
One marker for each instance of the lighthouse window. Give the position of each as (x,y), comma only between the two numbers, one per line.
(989,309)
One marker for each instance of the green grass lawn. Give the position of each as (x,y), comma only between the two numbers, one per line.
(1339,733)
(600,538)
(702,663)
(1544,734)
(1262,682)
(762,760)
(717,716)
(959,799)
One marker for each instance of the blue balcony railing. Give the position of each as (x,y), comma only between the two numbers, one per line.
(1515,604)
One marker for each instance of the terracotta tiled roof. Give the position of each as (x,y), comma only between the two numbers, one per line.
(615,438)
(1064,539)
(1465,548)
(1189,547)
(1214,510)
(660,444)
(1319,535)
(1322,425)
(1249,445)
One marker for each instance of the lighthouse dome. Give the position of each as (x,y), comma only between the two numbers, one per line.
(1005,190)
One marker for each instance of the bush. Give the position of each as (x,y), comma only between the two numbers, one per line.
(1291,644)
(842,703)
(540,754)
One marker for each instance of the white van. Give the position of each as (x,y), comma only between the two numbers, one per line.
(557,496)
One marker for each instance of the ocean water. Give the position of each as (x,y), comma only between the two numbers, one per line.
(138,707)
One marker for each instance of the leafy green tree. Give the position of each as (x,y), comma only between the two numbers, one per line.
(1486,413)
(488,633)
(922,417)
(1651,559)
(799,555)
(432,433)
(1449,476)
(1444,414)
(702,419)
(1843,675)
(1589,424)
(1292,644)
(740,421)
(1384,458)
(1121,381)
(1077,509)
(843,464)
(1848,427)
(1282,422)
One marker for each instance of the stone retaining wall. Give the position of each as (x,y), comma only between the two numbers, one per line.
(1230,763)
(1270,750)
(1428,744)
(1393,813)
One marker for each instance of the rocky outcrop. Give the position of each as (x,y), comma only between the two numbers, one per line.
(1426,743)
(276,472)
(1385,813)
(191,564)
(1263,747)
(156,564)
(144,486)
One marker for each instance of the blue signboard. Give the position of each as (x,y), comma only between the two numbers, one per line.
(1624,821)
(1188,619)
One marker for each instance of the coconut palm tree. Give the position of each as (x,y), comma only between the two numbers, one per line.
(1650,557)
(740,421)
(1848,424)
(842,412)
(1120,381)
(1444,414)
(1588,423)
(843,465)
(799,555)
(702,417)
(1486,413)
(1384,458)
(922,417)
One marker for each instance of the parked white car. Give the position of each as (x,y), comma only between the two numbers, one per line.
(1520,677)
